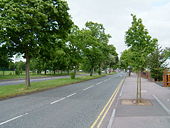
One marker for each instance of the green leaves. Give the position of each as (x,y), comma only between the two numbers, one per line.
(140,43)
(24,23)
(156,63)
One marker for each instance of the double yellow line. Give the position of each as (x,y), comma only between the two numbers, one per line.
(97,123)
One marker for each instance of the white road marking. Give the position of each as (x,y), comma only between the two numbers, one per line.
(99,83)
(105,80)
(87,88)
(111,119)
(71,95)
(12,119)
(163,106)
(144,91)
(121,90)
(58,100)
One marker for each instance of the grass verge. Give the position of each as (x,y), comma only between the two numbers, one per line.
(22,76)
(16,90)
(10,77)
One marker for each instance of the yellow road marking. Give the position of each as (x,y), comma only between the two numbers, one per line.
(101,113)
(99,124)
(109,103)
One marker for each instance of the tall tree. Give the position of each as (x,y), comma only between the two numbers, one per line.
(141,45)
(95,43)
(4,58)
(167,52)
(156,63)
(28,25)
(125,59)
(73,49)
(91,52)
(98,32)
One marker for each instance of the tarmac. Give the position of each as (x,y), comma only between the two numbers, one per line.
(155,113)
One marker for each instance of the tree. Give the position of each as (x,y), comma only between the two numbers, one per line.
(19,67)
(4,58)
(125,59)
(98,32)
(27,26)
(156,63)
(73,50)
(167,52)
(90,50)
(110,58)
(141,45)
(95,46)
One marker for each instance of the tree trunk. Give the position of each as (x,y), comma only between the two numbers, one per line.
(140,89)
(3,72)
(75,69)
(91,71)
(137,89)
(106,70)
(27,71)
(45,72)
(68,72)
(99,72)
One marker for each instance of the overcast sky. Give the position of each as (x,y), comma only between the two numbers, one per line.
(115,16)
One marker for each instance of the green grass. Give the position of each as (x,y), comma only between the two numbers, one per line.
(6,77)
(15,90)
(11,75)
(7,72)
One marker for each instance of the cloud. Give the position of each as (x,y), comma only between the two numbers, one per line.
(115,16)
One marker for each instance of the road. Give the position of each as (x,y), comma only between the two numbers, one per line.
(15,82)
(73,106)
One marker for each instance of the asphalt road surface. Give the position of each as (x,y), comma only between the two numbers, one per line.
(15,82)
(73,106)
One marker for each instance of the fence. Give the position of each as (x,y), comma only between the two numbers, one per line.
(147,75)
(166,78)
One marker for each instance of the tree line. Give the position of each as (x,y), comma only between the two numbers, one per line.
(45,35)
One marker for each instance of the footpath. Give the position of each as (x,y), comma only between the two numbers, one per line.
(154,114)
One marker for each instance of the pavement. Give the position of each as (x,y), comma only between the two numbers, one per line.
(73,106)
(155,115)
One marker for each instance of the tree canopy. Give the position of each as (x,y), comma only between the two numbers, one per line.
(140,42)
(26,26)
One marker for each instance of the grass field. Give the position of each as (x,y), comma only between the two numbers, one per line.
(15,90)
(7,72)
(11,75)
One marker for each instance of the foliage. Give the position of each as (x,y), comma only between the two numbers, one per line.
(96,51)
(167,52)
(27,26)
(125,59)
(156,63)
(19,67)
(4,58)
(73,50)
(140,43)
(72,75)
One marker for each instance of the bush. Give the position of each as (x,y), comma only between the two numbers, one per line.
(18,72)
(72,75)
(157,74)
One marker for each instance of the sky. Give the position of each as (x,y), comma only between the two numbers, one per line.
(115,15)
